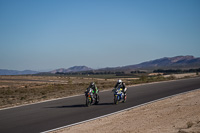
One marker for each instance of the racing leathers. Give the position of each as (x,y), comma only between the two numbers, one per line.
(94,88)
(122,85)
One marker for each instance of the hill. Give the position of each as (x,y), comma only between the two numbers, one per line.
(72,69)
(16,72)
(178,62)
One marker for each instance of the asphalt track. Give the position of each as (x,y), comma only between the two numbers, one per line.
(57,113)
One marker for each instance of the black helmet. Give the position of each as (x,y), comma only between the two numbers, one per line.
(92,84)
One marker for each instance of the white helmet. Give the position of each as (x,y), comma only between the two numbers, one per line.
(119,81)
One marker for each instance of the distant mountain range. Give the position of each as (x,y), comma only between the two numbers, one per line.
(178,62)
(71,69)
(16,72)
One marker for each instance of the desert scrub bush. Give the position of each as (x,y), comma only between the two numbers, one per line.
(8,92)
(58,86)
(143,78)
(186,76)
(171,77)
(69,80)
(190,124)
(44,97)
(43,92)
(22,98)
(160,78)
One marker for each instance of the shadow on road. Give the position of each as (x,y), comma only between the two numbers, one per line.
(69,106)
(105,104)
(80,105)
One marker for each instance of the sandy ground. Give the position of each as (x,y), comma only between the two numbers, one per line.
(178,76)
(178,114)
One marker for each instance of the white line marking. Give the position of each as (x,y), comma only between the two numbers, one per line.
(119,111)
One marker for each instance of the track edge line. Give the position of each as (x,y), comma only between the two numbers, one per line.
(119,111)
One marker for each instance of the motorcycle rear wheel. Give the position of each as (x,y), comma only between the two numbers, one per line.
(97,100)
(124,99)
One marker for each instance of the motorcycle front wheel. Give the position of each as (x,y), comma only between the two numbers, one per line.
(116,100)
(88,102)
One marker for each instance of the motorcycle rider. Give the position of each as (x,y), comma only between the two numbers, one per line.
(122,85)
(94,88)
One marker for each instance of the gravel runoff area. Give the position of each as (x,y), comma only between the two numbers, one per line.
(177,114)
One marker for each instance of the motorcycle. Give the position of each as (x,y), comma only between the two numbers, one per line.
(91,98)
(119,95)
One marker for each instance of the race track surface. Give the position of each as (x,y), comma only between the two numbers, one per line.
(53,114)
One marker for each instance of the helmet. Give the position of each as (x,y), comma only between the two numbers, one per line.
(119,81)
(92,83)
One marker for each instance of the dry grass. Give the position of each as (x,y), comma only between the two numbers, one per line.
(27,89)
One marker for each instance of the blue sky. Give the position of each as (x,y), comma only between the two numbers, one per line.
(51,34)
